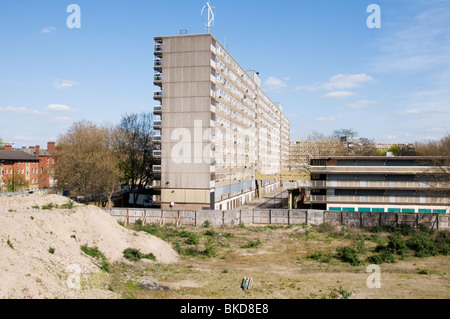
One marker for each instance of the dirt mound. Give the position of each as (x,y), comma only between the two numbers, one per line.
(40,246)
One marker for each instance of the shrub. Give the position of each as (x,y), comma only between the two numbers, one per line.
(423,245)
(443,242)
(325,228)
(405,229)
(210,248)
(397,244)
(359,245)
(132,254)
(320,256)
(149,256)
(350,255)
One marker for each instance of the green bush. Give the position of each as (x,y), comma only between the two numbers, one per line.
(423,245)
(443,242)
(210,248)
(132,254)
(397,244)
(405,229)
(325,228)
(350,255)
(149,256)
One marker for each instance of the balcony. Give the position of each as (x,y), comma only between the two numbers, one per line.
(156,169)
(375,184)
(157,139)
(157,95)
(157,79)
(157,153)
(369,169)
(158,49)
(157,65)
(157,124)
(157,109)
(380,199)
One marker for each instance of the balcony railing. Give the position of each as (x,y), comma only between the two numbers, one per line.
(157,124)
(369,169)
(157,138)
(157,169)
(157,79)
(157,64)
(158,49)
(380,199)
(157,95)
(157,153)
(157,109)
(373,184)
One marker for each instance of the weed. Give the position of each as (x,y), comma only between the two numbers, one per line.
(338,293)
(326,228)
(51,250)
(206,224)
(210,233)
(149,256)
(98,255)
(35,207)
(210,248)
(9,243)
(359,244)
(49,206)
(320,256)
(423,272)
(255,243)
(68,205)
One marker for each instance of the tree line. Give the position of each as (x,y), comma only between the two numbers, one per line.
(94,161)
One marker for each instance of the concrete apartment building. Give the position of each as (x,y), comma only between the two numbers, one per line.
(378,184)
(218,127)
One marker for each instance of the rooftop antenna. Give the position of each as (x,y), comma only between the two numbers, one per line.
(210,20)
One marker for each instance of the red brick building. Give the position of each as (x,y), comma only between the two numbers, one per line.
(30,168)
(18,169)
(47,161)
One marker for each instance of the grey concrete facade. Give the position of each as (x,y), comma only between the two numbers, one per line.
(217,126)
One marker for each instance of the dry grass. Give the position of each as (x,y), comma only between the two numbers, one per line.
(280,268)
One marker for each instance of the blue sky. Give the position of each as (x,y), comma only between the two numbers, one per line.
(316,57)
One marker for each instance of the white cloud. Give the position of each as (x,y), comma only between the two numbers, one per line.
(339,94)
(362,104)
(64,84)
(325,119)
(59,108)
(346,81)
(338,82)
(48,30)
(274,84)
(20,110)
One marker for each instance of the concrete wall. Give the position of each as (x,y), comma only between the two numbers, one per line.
(277,216)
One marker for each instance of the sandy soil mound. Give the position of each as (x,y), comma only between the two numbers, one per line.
(40,253)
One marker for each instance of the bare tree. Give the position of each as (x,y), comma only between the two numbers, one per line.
(86,162)
(134,142)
